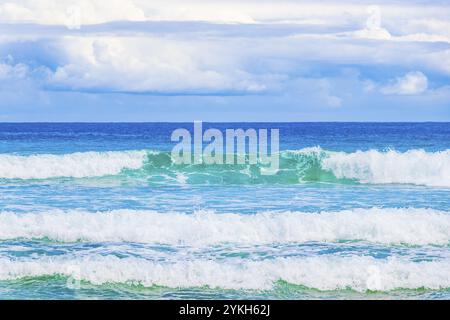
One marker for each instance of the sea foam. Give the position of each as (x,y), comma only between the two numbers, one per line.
(204,228)
(77,165)
(391,167)
(322,273)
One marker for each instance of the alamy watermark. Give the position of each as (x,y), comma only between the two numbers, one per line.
(234,146)
(73,17)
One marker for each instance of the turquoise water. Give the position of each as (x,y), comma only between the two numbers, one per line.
(356,211)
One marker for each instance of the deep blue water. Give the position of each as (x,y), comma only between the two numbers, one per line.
(25,138)
(356,210)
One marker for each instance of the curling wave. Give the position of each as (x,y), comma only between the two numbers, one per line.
(416,167)
(203,228)
(322,273)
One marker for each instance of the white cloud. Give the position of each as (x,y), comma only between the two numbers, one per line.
(373,33)
(60,12)
(373,29)
(399,16)
(18,71)
(439,60)
(429,25)
(408,31)
(170,64)
(133,59)
(414,82)
(146,64)
(14,12)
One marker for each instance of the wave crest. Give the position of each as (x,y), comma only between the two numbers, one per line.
(387,226)
(322,273)
(306,165)
(411,167)
(76,165)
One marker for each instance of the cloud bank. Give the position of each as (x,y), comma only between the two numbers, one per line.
(324,61)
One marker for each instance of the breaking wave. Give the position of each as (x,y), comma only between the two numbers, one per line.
(416,167)
(322,273)
(76,165)
(204,228)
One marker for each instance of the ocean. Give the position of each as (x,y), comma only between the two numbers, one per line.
(100,211)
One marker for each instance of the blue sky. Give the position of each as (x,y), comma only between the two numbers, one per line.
(136,60)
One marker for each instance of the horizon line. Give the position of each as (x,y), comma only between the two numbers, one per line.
(192,121)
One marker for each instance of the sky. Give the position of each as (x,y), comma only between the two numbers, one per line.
(247,60)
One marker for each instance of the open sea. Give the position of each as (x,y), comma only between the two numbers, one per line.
(100,211)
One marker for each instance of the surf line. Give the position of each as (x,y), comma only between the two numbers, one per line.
(241,147)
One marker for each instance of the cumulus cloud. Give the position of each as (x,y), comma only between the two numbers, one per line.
(180,64)
(18,71)
(152,65)
(414,82)
(289,54)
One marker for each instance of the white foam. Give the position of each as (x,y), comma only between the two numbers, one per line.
(412,167)
(323,273)
(388,226)
(77,165)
